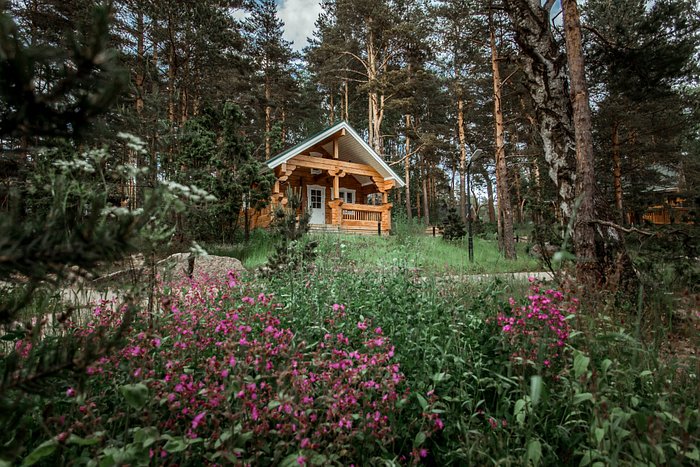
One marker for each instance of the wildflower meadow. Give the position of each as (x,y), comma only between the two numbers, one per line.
(297,370)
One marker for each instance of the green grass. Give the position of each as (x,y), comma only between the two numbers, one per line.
(252,254)
(429,254)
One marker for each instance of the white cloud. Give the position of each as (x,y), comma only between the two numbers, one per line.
(299,17)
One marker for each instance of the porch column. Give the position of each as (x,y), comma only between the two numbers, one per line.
(336,211)
(336,173)
(386,217)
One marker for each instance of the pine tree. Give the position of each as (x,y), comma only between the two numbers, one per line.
(216,157)
(453,227)
(642,54)
(59,219)
(272,56)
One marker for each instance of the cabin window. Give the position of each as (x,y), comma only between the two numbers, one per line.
(347,195)
(375,199)
(315,198)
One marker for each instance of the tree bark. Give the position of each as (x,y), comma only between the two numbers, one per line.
(268,118)
(617,171)
(584,230)
(347,102)
(426,201)
(544,66)
(462,158)
(407,169)
(505,209)
(489,197)
(140,60)
(603,256)
(418,213)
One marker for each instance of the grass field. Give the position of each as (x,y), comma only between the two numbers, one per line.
(430,254)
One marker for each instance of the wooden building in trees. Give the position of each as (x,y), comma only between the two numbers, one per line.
(670,209)
(342,181)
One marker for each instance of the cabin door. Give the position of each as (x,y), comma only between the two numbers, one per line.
(316,196)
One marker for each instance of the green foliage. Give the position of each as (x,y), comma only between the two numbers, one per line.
(62,217)
(668,257)
(85,80)
(252,253)
(453,228)
(427,254)
(291,221)
(404,228)
(215,156)
(613,400)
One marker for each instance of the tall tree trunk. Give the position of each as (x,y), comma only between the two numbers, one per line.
(331,110)
(407,168)
(537,187)
(370,127)
(426,201)
(504,204)
(283,127)
(418,213)
(617,171)
(462,158)
(376,100)
(347,102)
(544,66)
(476,206)
(140,61)
(489,197)
(453,176)
(268,117)
(518,197)
(584,230)
(172,67)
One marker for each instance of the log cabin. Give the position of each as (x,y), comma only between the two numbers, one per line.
(343,183)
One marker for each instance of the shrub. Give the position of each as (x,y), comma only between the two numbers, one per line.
(453,227)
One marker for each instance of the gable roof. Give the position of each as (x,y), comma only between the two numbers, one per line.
(351,147)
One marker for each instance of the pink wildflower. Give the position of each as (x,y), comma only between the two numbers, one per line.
(198,419)
(23,348)
(232,279)
(361,325)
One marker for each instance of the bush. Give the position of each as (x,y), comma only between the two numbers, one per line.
(453,227)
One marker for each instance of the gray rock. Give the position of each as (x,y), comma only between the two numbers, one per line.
(179,265)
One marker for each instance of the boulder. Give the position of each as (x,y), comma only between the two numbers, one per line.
(180,264)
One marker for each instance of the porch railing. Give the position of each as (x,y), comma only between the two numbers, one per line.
(361,216)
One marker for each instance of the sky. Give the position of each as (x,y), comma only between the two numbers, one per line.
(299,17)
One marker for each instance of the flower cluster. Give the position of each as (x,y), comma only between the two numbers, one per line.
(537,332)
(223,374)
